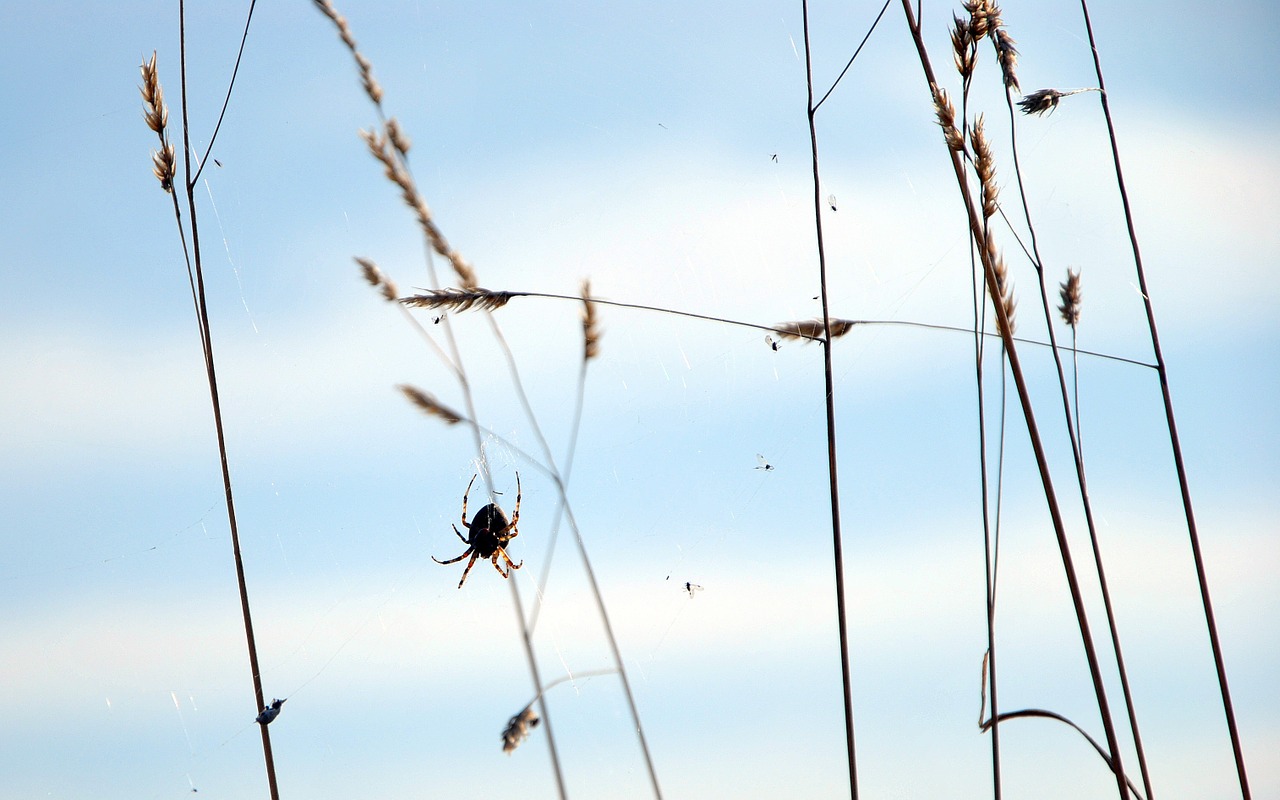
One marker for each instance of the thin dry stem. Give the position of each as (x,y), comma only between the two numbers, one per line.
(429,404)
(812,330)
(1069,290)
(460,299)
(590,325)
(982,712)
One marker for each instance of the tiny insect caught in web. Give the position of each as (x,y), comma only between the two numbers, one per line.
(773,343)
(269,713)
(763,464)
(774,157)
(692,588)
(436,320)
(831,201)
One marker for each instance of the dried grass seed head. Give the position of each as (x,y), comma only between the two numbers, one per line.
(459,299)
(155,112)
(966,55)
(1008,56)
(947,119)
(1040,101)
(1002,291)
(429,404)
(811,330)
(984,16)
(590,325)
(1069,291)
(163,165)
(985,165)
(398,138)
(377,278)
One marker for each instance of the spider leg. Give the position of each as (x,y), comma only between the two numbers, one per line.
(515,515)
(468,552)
(460,536)
(470,564)
(510,565)
(465,495)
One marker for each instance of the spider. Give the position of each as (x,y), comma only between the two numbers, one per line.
(488,534)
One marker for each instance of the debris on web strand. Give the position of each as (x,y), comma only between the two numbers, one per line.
(518,728)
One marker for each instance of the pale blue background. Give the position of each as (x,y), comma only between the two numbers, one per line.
(632,144)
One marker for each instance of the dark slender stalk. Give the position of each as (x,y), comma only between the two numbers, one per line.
(231,85)
(1024,397)
(1183,484)
(1103,586)
(1027,713)
(871,30)
(837,545)
(991,548)
(207,341)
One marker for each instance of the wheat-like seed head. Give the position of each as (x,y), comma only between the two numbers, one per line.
(812,330)
(398,138)
(1008,56)
(984,16)
(381,147)
(985,166)
(162,166)
(1040,101)
(1069,290)
(371,86)
(155,112)
(1002,292)
(590,325)
(947,119)
(430,405)
(966,55)
(377,278)
(459,299)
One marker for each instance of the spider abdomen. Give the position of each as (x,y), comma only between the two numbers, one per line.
(487,527)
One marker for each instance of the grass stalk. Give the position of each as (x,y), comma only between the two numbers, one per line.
(1015,369)
(1078,457)
(211,373)
(1166,396)
(833,479)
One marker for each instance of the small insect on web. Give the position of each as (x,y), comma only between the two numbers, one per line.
(761,463)
(270,712)
(831,201)
(772,342)
(692,588)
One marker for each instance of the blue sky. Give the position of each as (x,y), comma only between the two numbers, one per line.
(634,146)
